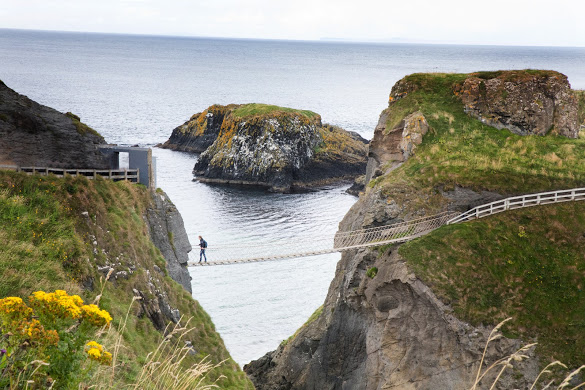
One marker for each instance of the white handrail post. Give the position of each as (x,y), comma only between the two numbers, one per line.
(573,195)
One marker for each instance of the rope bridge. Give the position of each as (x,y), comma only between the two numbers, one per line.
(376,236)
(341,241)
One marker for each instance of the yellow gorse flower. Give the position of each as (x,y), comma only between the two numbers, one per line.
(57,304)
(96,352)
(95,315)
(14,308)
(93,344)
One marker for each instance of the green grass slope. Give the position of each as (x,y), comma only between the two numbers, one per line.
(48,227)
(528,264)
(461,151)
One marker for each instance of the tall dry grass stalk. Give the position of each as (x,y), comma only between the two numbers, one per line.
(164,367)
(518,356)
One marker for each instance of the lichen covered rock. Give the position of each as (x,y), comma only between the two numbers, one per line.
(274,147)
(200,131)
(525,102)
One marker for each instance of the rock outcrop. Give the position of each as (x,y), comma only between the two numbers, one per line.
(35,135)
(392,146)
(168,234)
(524,102)
(274,147)
(200,131)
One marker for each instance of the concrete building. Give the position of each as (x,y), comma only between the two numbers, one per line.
(138,158)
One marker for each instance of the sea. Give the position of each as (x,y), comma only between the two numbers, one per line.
(136,89)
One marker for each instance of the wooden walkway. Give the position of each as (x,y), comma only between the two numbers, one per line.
(377,236)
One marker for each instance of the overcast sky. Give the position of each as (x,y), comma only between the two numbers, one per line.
(502,22)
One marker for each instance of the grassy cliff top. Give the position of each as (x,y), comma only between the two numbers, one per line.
(462,151)
(517,75)
(527,264)
(54,234)
(258,109)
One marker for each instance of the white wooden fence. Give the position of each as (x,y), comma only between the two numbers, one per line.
(517,202)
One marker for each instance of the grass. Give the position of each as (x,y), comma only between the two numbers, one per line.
(258,109)
(516,75)
(48,230)
(81,127)
(461,151)
(527,264)
(372,272)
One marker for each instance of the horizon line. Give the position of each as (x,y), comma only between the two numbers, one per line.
(393,41)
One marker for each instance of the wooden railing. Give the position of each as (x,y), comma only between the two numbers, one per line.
(110,174)
(517,202)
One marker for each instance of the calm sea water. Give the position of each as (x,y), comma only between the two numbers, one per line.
(136,89)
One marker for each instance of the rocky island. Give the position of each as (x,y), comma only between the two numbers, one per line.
(418,315)
(274,147)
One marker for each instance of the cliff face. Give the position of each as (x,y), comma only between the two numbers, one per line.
(525,102)
(397,329)
(274,147)
(35,135)
(388,332)
(168,234)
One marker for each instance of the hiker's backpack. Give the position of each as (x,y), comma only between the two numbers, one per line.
(204,244)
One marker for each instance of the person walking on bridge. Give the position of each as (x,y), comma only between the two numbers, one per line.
(202,246)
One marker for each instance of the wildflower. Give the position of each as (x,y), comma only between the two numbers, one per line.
(94,353)
(93,344)
(57,304)
(14,308)
(106,359)
(95,316)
